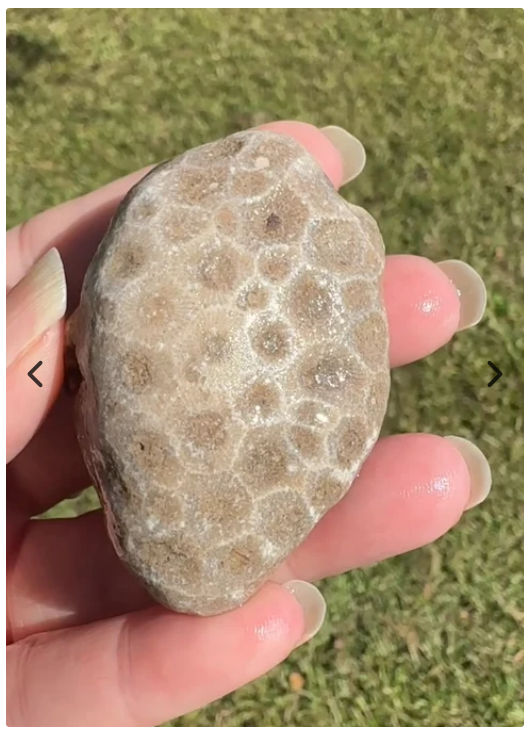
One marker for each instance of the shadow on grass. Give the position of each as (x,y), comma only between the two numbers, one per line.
(24,54)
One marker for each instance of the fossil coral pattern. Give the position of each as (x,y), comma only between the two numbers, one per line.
(233,346)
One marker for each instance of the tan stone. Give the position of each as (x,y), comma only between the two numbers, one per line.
(233,349)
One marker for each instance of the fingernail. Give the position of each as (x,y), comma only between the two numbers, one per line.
(471,291)
(352,151)
(35,304)
(313,605)
(478,466)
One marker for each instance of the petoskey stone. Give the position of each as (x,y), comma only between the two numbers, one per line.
(233,348)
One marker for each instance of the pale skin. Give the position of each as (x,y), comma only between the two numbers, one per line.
(86,645)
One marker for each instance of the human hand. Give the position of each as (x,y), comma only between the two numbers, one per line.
(87,645)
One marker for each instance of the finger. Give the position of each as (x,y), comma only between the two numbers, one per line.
(77,227)
(35,304)
(149,666)
(427,304)
(411,490)
(51,557)
(50,467)
(423,310)
(34,310)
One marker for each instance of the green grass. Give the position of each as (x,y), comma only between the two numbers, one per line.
(432,638)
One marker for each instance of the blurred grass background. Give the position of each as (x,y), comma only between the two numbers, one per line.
(433,638)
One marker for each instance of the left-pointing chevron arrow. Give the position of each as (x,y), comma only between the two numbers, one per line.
(31,374)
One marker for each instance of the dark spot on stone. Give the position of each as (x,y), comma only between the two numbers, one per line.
(273,223)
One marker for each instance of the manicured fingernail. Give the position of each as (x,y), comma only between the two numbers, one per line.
(35,304)
(478,466)
(313,605)
(352,151)
(471,291)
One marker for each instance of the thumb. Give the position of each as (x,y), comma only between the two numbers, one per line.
(35,309)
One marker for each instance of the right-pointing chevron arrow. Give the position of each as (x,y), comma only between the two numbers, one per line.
(497,376)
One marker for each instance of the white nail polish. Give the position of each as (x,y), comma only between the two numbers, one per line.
(471,291)
(35,304)
(313,605)
(352,151)
(478,467)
